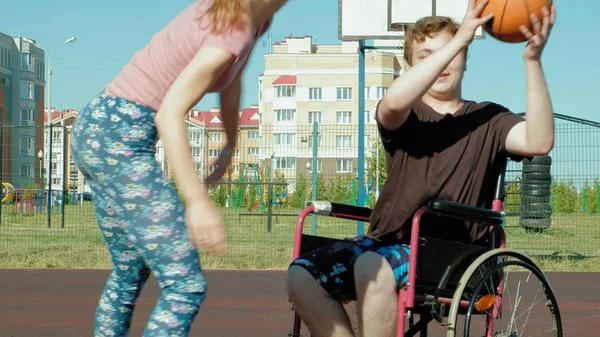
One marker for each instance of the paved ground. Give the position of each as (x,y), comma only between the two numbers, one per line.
(51,303)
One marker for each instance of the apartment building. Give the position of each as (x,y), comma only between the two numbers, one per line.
(62,175)
(304,82)
(22,83)
(207,138)
(206,135)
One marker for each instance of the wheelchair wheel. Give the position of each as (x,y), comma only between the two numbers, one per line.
(496,304)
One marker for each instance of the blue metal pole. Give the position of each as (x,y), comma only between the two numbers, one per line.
(361,131)
(315,170)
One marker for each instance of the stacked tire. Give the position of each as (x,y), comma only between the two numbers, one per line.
(536,181)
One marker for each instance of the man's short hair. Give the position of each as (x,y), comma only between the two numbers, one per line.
(429,26)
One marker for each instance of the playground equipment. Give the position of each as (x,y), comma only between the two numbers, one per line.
(241,192)
(8,192)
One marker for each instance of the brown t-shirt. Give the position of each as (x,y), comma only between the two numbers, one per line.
(456,157)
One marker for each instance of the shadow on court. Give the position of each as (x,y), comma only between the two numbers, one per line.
(57,303)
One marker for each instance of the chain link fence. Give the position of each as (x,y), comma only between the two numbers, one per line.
(271,178)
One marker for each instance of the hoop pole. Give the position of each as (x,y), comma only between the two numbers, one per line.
(361,131)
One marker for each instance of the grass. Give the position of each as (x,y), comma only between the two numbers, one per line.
(571,244)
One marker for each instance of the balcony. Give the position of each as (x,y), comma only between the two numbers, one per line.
(28,67)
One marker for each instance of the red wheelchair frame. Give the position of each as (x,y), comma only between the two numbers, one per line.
(408,294)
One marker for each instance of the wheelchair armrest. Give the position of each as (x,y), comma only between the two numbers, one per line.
(328,208)
(466,212)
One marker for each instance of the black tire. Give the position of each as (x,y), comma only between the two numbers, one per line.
(536,214)
(537,177)
(535,270)
(471,272)
(537,207)
(527,200)
(535,168)
(537,193)
(545,160)
(531,185)
(535,223)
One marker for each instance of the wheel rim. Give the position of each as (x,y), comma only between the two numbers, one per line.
(453,312)
(517,324)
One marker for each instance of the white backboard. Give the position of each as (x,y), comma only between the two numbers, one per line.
(384,19)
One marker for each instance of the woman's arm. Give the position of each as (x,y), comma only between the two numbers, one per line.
(188,89)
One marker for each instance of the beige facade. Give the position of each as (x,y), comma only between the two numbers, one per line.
(304,82)
(207,138)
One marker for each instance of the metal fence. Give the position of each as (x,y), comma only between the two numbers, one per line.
(264,191)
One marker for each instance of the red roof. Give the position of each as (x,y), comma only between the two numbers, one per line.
(58,115)
(285,80)
(212,119)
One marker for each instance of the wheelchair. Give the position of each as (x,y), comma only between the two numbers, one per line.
(450,281)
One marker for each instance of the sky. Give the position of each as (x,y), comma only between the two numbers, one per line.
(109,32)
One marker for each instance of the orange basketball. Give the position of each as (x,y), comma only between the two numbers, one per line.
(509,15)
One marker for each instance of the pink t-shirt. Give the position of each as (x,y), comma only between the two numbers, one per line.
(151,72)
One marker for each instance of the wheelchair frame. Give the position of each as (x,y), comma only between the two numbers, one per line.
(407,295)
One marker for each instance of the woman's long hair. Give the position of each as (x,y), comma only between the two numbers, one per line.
(227,14)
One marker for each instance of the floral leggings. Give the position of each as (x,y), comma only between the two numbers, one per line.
(140,217)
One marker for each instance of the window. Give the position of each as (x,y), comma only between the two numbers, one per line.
(213,153)
(285,115)
(236,153)
(198,166)
(196,151)
(56,136)
(5,57)
(39,70)
(380,92)
(215,137)
(253,135)
(253,151)
(319,165)
(284,139)
(367,92)
(236,168)
(27,146)
(314,116)
(27,62)
(343,117)
(344,93)
(27,117)
(310,141)
(344,165)
(285,163)
(369,119)
(26,171)
(367,143)
(343,141)
(315,94)
(194,134)
(27,90)
(285,91)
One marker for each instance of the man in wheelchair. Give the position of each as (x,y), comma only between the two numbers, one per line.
(438,146)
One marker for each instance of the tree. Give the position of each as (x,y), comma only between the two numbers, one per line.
(564,198)
(376,167)
(299,198)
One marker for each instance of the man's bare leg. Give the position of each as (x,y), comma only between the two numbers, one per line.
(377,299)
(324,316)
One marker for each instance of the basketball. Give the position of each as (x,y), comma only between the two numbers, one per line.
(509,15)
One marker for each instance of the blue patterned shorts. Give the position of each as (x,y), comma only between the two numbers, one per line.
(333,266)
